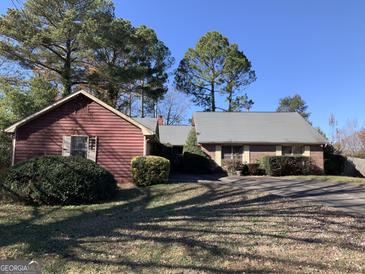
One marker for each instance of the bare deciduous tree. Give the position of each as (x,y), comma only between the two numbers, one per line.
(332,121)
(174,107)
(349,139)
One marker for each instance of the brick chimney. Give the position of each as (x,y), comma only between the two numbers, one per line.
(160,121)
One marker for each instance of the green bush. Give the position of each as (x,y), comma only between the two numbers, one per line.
(57,180)
(194,159)
(252,169)
(196,164)
(255,169)
(334,164)
(245,170)
(5,150)
(287,165)
(149,170)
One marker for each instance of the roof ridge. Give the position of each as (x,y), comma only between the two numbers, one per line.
(244,112)
(175,125)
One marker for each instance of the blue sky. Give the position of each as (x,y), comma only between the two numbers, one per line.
(315,48)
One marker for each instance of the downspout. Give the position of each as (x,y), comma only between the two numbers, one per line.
(144,145)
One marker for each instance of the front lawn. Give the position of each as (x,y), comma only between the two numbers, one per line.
(326,178)
(185,228)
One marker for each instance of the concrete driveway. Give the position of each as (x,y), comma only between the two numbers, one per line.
(348,197)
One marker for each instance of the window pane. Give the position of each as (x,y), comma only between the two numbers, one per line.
(237,152)
(287,150)
(298,150)
(226,152)
(79,146)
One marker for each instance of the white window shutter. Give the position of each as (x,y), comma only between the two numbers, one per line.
(66,146)
(92,148)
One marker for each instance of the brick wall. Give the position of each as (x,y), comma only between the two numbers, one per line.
(257,152)
(316,154)
(209,149)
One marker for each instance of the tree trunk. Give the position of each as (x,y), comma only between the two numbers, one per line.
(212,95)
(155,109)
(168,116)
(142,103)
(66,77)
(130,104)
(113,96)
(230,101)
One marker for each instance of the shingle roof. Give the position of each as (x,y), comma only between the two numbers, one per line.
(174,135)
(255,128)
(150,123)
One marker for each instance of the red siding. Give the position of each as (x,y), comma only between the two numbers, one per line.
(118,140)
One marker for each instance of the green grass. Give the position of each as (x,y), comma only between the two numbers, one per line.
(335,179)
(185,228)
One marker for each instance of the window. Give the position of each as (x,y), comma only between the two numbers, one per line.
(232,152)
(79,146)
(287,150)
(293,150)
(226,152)
(84,146)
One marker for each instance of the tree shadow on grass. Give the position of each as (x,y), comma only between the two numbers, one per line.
(141,229)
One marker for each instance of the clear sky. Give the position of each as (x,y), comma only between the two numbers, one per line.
(315,48)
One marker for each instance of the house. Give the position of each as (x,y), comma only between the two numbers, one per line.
(253,135)
(81,124)
(174,137)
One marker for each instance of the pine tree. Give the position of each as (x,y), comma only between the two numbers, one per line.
(191,145)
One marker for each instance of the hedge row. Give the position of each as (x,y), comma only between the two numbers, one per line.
(287,165)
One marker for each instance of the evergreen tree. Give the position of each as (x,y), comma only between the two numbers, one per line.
(19,99)
(213,67)
(191,145)
(47,35)
(294,104)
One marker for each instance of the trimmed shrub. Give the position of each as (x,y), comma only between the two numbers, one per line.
(57,180)
(335,164)
(255,169)
(286,165)
(245,170)
(194,159)
(149,170)
(196,164)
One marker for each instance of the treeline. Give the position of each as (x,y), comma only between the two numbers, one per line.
(82,44)
(50,48)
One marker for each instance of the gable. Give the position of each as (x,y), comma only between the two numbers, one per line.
(72,98)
